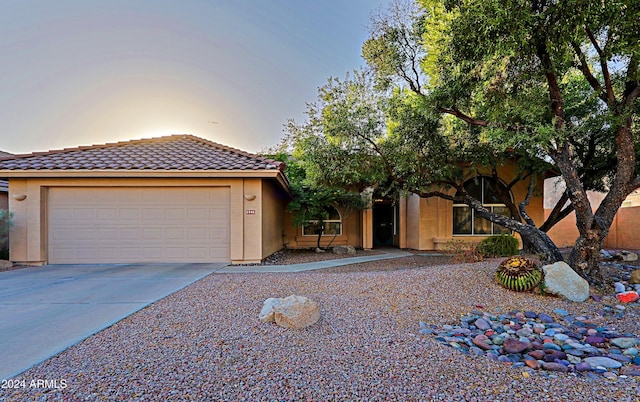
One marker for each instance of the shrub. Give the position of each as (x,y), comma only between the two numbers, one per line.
(462,252)
(6,221)
(502,245)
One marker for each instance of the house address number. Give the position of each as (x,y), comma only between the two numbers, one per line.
(251,211)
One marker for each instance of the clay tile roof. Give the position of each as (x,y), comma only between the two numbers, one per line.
(174,152)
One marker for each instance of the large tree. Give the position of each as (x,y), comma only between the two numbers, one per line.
(313,203)
(481,81)
(555,78)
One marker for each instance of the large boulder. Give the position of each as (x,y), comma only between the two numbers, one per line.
(267,314)
(295,312)
(4,264)
(561,280)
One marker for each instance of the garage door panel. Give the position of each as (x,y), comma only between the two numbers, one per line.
(129,233)
(218,234)
(129,214)
(217,215)
(62,254)
(61,235)
(120,224)
(175,214)
(198,252)
(197,214)
(152,214)
(174,233)
(106,252)
(85,234)
(61,214)
(152,234)
(106,213)
(84,213)
(175,253)
(86,254)
(107,233)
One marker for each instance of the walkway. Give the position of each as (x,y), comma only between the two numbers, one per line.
(309,266)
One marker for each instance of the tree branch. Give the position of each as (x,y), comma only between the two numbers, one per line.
(611,98)
(523,205)
(558,213)
(555,95)
(586,71)
(632,89)
(440,194)
(457,113)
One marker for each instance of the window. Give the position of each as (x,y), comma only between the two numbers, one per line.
(332,225)
(465,221)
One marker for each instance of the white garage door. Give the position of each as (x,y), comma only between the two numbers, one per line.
(138,224)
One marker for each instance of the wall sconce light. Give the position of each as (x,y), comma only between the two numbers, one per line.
(249,197)
(19,197)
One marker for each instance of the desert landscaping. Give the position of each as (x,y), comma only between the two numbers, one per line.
(377,339)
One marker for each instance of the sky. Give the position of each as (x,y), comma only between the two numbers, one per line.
(88,72)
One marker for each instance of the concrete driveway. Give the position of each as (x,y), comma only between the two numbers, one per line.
(45,310)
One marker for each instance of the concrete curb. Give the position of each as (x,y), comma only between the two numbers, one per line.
(309,266)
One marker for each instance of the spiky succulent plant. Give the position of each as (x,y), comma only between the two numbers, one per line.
(518,273)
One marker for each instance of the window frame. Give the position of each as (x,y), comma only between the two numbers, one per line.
(489,206)
(326,222)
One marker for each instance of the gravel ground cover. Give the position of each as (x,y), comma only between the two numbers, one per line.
(299,256)
(205,343)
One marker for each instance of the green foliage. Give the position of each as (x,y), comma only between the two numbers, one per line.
(501,62)
(311,201)
(6,221)
(519,274)
(314,203)
(502,245)
(454,86)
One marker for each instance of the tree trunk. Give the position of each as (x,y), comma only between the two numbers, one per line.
(534,240)
(585,258)
(320,232)
(537,242)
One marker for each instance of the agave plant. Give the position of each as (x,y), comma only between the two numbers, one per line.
(519,274)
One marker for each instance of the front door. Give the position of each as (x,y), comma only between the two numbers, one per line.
(383,227)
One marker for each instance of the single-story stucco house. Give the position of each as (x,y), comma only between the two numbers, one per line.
(182,198)
(422,223)
(178,198)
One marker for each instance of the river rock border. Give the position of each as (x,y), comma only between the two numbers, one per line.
(528,339)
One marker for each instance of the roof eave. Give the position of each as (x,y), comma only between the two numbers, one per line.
(80,173)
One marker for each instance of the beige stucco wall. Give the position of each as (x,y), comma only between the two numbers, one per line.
(351,233)
(273,204)
(412,228)
(424,224)
(28,243)
(429,222)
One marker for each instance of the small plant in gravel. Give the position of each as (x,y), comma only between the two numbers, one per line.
(502,245)
(462,252)
(519,274)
